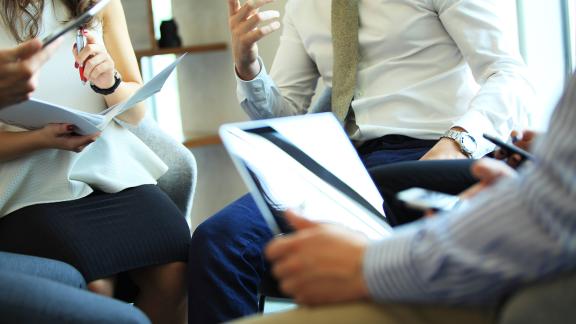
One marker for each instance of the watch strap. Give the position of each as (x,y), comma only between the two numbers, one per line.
(112,89)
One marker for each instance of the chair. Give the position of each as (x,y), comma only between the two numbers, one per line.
(179,183)
(550,301)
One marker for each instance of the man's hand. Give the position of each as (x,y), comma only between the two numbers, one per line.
(18,70)
(244,21)
(319,264)
(445,149)
(488,171)
(524,140)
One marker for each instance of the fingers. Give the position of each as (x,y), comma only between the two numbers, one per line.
(88,52)
(298,222)
(247,9)
(279,247)
(90,37)
(92,63)
(257,18)
(25,50)
(490,170)
(233,7)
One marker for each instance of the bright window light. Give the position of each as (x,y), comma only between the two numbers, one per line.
(572,23)
(165,106)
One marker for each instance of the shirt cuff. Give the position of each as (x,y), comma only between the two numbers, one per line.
(388,270)
(476,124)
(254,90)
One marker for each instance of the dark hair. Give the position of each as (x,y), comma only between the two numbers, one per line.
(23,17)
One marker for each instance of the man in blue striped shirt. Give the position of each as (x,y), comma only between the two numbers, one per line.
(520,231)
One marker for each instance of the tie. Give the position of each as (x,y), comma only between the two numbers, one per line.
(345,24)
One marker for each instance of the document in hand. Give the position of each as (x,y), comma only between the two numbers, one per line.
(35,114)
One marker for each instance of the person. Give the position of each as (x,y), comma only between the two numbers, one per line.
(518,232)
(37,290)
(422,73)
(91,201)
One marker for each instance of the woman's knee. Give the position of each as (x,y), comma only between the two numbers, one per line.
(102,286)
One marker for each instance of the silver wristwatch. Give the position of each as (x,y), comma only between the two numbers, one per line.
(466,141)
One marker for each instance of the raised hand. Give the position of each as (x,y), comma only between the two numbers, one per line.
(248,25)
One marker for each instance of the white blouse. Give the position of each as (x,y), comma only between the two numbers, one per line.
(116,161)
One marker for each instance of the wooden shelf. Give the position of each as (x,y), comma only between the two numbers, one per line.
(181,50)
(200,141)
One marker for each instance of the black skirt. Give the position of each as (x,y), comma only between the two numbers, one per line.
(103,234)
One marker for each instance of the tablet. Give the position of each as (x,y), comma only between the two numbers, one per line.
(75,23)
(306,164)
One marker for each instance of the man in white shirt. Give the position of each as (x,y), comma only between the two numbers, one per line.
(432,76)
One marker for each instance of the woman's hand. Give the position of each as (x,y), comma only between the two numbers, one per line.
(98,64)
(62,137)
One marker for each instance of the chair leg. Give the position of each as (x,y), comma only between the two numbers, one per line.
(261,302)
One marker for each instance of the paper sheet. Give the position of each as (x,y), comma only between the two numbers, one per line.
(35,114)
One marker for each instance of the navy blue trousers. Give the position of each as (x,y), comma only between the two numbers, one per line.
(226,264)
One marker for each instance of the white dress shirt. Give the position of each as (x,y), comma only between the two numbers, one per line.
(522,230)
(425,66)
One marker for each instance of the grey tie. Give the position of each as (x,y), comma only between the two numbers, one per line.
(345,25)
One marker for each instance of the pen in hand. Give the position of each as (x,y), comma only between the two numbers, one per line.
(80,47)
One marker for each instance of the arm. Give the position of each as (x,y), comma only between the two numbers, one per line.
(293,70)
(520,231)
(491,51)
(18,69)
(100,61)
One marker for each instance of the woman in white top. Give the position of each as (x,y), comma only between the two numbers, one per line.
(90,201)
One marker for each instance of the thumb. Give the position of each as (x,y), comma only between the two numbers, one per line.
(27,49)
(297,221)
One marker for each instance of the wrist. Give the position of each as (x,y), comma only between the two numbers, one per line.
(108,90)
(248,71)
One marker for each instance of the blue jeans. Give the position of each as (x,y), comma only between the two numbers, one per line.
(36,290)
(226,264)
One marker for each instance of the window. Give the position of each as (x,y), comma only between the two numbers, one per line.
(570,17)
(544,35)
(165,106)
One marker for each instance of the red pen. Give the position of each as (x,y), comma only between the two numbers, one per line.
(80,47)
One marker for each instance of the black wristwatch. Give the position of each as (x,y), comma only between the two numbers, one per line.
(112,89)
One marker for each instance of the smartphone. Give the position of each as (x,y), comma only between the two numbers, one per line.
(508,148)
(75,23)
(423,199)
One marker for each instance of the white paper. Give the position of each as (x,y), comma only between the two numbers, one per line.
(34,114)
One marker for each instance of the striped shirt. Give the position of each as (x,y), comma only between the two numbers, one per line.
(519,231)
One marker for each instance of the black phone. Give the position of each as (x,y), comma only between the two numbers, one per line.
(508,148)
(423,199)
(76,22)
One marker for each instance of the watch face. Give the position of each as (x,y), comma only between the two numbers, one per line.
(468,143)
